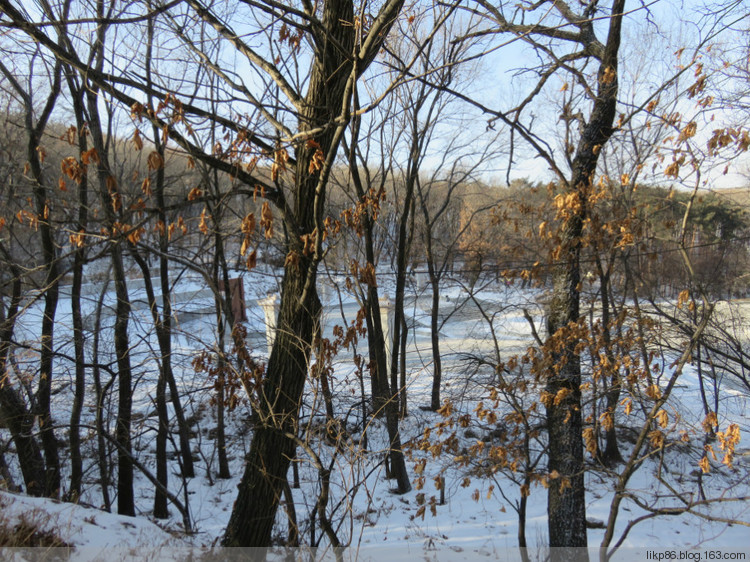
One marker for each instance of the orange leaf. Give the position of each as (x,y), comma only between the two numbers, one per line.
(146,187)
(248,223)
(266,220)
(90,156)
(203,225)
(252,260)
(155,161)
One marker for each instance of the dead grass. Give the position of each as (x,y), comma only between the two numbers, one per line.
(32,529)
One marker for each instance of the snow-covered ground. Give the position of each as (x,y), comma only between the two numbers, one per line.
(478,518)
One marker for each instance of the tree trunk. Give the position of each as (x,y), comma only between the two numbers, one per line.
(109,192)
(161,510)
(79,338)
(46,359)
(101,392)
(399,321)
(18,418)
(376,346)
(164,328)
(223,311)
(125,497)
(566,503)
(34,132)
(437,367)
(111,201)
(611,454)
(277,410)
(34,155)
(328,97)
(271,449)
(375,336)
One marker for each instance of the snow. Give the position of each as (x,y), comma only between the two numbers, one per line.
(374,521)
(86,528)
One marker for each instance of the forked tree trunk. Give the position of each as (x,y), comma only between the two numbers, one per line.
(399,323)
(566,498)
(277,411)
(109,191)
(375,335)
(162,432)
(164,328)
(51,297)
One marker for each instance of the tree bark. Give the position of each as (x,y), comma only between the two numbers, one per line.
(566,498)
(79,338)
(611,454)
(51,297)
(437,366)
(34,151)
(223,312)
(333,77)
(100,392)
(15,413)
(277,410)
(107,183)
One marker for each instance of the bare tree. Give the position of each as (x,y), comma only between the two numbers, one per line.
(35,123)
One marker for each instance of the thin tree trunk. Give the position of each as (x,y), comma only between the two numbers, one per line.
(223,311)
(101,392)
(376,338)
(161,510)
(19,419)
(375,335)
(109,192)
(34,151)
(111,202)
(183,430)
(79,338)
(164,331)
(437,367)
(399,320)
(403,410)
(611,454)
(293,536)
(51,297)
